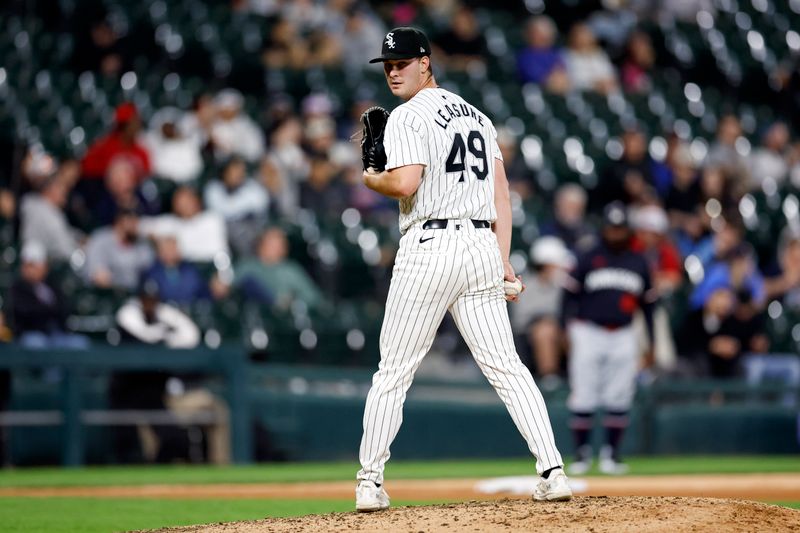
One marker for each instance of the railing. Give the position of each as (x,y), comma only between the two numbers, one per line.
(230,363)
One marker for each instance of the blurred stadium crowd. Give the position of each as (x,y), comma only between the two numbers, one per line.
(182,172)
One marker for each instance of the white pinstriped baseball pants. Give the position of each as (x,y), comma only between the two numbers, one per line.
(458,269)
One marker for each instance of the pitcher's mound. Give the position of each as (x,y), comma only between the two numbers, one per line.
(596,514)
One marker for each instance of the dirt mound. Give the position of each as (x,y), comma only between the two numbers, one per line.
(596,513)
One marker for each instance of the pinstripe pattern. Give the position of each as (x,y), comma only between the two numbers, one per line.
(459,270)
(424,126)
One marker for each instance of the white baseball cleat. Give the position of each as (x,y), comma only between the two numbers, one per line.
(608,465)
(370,497)
(553,489)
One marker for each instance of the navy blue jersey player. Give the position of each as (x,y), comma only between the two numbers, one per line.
(605,290)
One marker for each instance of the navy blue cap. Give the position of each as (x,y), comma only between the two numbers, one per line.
(403,43)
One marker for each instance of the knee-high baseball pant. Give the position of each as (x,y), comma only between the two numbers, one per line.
(456,269)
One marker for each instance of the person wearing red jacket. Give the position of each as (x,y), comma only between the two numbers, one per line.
(120,142)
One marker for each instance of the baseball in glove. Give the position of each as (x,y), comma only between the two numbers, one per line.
(373,154)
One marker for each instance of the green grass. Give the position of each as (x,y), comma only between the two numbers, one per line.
(89,515)
(295,472)
(93,515)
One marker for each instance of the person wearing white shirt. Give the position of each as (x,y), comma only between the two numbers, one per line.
(201,235)
(588,66)
(233,132)
(241,201)
(151,321)
(175,155)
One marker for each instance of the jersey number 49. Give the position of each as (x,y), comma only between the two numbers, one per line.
(477,147)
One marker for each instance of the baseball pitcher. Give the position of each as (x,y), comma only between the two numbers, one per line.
(437,154)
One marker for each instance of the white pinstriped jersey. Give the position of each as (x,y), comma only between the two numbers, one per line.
(457,144)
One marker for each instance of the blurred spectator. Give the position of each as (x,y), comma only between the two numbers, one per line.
(638,64)
(317,105)
(175,154)
(715,184)
(320,29)
(308,15)
(650,225)
(629,179)
(683,194)
(275,278)
(122,142)
(588,66)
(283,193)
(122,191)
(196,124)
(233,132)
(38,167)
(241,201)
(284,47)
(724,155)
(462,43)
(541,61)
(569,223)
(736,269)
(782,279)
(538,309)
(286,165)
(362,31)
(614,23)
(717,245)
(42,219)
(38,310)
(147,320)
(201,234)
(769,161)
(683,201)
(327,190)
(177,281)
(714,337)
(99,48)
(520,177)
(116,256)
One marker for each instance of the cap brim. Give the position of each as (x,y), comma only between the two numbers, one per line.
(391,56)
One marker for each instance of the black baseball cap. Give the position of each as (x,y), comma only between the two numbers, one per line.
(403,43)
(614,214)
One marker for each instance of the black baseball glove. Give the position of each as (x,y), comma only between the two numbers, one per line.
(373,122)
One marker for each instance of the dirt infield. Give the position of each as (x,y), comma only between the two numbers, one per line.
(766,487)
(595,514)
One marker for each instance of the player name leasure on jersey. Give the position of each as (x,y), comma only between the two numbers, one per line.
(449,112)
(614,279)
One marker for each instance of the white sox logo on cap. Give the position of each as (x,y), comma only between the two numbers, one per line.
(390,40)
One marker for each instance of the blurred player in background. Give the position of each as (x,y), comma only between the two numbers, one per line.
(609,284)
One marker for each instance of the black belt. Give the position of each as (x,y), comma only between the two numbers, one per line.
(441,223)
